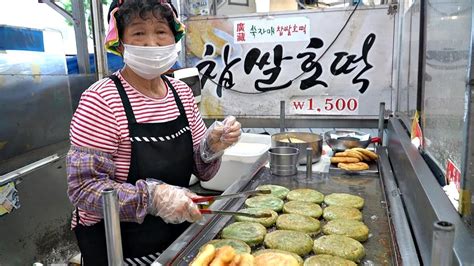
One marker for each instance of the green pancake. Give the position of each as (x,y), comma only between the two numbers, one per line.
(305,194)
(345,200)
(350,228)
(327,260)
(341,212)
(341,246)
(251,233)
(239,245)
(277,191)
(267,221)
(296,256)
(291,241)
(303,208)
(297,222)
(266,202)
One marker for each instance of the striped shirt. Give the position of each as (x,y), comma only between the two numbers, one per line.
(100,124)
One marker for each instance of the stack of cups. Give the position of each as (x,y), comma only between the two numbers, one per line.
(283,160)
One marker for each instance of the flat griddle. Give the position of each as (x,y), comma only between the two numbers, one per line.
(379,249)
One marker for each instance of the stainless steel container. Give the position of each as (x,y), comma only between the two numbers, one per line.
(340,140)
(300,140)
(283,160)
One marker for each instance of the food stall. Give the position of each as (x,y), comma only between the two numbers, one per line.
(362,66)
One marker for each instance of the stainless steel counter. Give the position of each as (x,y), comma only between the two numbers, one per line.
(382,247)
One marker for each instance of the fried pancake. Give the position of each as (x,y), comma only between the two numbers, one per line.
(372,155)
(350,228)
(344,199)
(327,260)
(224,256)
(353,166)
(205,256)
(291,241)
(266,202)
(297,222)
(277,191)
(272,259)
(306,195)
(296,256)
(344,160)
(251,233)
(349,153)
(341,212)
(364,157)
(340,246)
(303,208)
(239,245)
(266,221)
(243,259)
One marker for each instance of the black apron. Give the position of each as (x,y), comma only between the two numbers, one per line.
(162,151)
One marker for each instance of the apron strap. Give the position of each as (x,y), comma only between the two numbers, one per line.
(126,103)
(176,98)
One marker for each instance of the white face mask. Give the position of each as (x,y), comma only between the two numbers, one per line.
(150,62)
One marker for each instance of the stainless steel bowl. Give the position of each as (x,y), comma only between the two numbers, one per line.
(340,140)
(300,140)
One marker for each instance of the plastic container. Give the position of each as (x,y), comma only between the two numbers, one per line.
(238,159)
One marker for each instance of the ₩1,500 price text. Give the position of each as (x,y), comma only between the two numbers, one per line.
(324,105)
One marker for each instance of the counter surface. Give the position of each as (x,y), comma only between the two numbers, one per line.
(379,250)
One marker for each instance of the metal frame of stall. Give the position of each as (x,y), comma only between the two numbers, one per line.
(416,200)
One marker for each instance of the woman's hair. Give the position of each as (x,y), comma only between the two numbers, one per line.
(131,9)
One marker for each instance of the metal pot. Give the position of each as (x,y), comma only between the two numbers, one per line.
(340,140)
(300,140)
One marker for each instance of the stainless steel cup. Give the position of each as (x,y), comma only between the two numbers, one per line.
(283,160)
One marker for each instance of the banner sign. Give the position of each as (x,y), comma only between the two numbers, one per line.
(249,64)
(274,30)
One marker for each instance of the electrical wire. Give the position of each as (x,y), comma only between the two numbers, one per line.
(297,77)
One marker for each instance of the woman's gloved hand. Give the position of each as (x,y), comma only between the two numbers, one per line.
(219,136)
(173,204)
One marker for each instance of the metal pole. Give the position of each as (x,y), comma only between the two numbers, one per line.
(309,162)
(442,248)
(381,121)
(78,19)
(113,236)
(282,116)
(99,48)
(466,203)
(80,32)
(214,8)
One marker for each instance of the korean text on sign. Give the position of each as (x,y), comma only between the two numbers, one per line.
(276,30)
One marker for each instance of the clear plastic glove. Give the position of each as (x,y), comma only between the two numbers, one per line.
(173,204)
(218,137)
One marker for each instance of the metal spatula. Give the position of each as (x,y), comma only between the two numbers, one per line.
(252,215)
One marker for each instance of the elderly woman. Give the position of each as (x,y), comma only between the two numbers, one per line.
(141,133)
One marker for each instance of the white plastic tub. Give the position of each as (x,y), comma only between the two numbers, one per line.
(238,159)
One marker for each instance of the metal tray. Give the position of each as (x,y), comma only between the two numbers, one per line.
(379,249)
